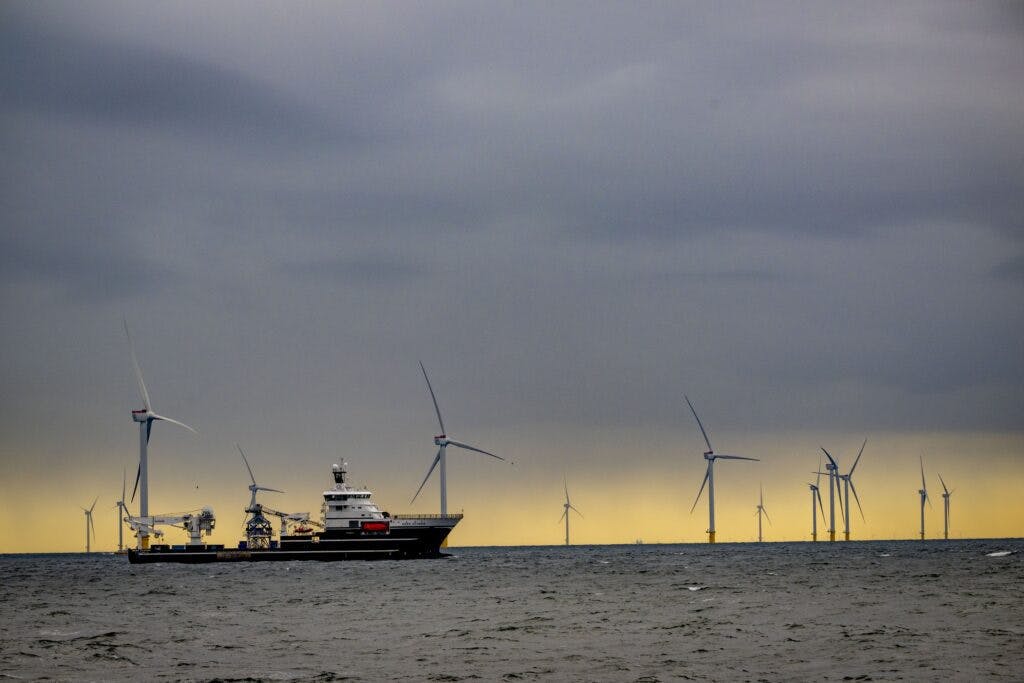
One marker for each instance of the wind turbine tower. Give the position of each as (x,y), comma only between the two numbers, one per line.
(924,496)
(761,510)
(442,442)
(90,528)
(565,512)
(122,511)
(832,469)
(709,476)
(946,493)
(847,480)
(145,417)
(816,494)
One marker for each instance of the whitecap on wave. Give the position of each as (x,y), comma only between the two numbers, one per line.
(999,553)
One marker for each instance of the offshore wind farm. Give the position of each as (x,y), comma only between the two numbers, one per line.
(302,533)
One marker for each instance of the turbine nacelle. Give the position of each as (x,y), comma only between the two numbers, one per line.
(441,440)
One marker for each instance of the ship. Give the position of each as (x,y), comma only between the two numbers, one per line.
(351,527)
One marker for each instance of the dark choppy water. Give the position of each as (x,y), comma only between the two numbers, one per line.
(777,612)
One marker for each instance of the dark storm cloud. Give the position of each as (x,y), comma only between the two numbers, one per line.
(1012,270)
(592,207)
(378,271)
(72,77)
(82,274)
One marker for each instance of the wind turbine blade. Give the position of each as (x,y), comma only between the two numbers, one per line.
(830,458)
(172,421)
(857,498)
(572,507)
(264,488)
(124,483)
(93,507)
(135,363)
(702,485)
(766,514)
(860,453)
(817,482)
(735,457)
(92,527)
(138,473)
(473,448)
(944,489)
(924,487)
(437,459)
(433,398)
(821,505)
(564,513)
(566,485)
(699,424)
(246,461)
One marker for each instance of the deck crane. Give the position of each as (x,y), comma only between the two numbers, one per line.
(258,529)
(195,523)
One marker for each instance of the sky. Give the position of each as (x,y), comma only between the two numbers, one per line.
(807,217)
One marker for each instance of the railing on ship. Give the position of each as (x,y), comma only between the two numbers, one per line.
(457,515)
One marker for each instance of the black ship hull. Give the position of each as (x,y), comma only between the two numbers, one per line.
(330,546)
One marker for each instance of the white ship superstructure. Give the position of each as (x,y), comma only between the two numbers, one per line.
(349,507)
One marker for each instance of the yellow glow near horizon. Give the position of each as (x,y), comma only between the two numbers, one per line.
(623,498)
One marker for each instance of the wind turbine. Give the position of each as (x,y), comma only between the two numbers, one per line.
(145,417)
(761,510)
(946,493)
(565,513)
(709,477)
(89,526)
(122,511)
(815,493)
(847,480)
(442,442)
(832,469)
(924,496)
(253,487)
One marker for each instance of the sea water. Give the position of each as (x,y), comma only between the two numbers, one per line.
(777,611)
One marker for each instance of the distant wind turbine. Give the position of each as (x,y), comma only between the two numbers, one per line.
(761,510)
(832,469)
(253,487)
(848,486)
(145,417)
(924,496)
(816,494)
(565,512)
(90,528)
(122,511)
(709,476)
(442,442)
(946,493)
